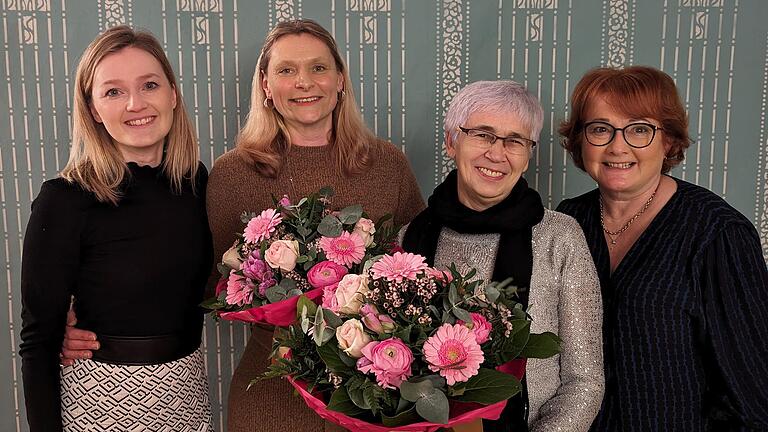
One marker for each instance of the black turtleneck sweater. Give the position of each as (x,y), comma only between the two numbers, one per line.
(135,269)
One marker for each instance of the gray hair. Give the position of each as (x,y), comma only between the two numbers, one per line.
(504,96)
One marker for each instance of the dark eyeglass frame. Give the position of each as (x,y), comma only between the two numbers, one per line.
(531,143)
(623,133)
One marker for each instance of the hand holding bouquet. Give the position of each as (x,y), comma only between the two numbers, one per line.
(403,345)
(294,249)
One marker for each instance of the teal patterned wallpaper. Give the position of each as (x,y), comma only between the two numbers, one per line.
(407,58)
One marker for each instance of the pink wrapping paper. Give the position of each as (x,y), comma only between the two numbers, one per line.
(463,413)
(282,313)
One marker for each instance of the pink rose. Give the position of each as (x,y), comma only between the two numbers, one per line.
(350,293)
(282,254)
(365,229)
(352,338)
(329,298)
(377,322)
(325,273)
(479,326)
(390,360)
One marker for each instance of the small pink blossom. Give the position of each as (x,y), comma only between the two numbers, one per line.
(443,277)
(262,226)
(398,266)
(329,298)
(284,201)
(325,273)
(390,360)
(479,326)
(346,249)
(239,290)
(375,321)
(454,353)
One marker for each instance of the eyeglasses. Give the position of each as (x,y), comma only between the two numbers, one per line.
(512,144)
(637,135)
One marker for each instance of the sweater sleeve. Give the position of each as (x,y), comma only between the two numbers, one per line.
(50,262)
(582,384)
(735,302)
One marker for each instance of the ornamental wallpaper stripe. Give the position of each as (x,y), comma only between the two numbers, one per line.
(407,58)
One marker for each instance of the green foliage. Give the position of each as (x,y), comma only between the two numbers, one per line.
(341,402)
(489,386)
(542,345)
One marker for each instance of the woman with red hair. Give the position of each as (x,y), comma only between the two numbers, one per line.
(681,271)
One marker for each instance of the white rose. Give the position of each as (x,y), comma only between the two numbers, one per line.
(365,229)
(352,338)
(231,257)
(349,294)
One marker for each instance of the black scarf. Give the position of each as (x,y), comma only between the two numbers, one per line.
(513,218)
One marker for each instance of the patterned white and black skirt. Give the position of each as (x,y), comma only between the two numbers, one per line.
(105,397)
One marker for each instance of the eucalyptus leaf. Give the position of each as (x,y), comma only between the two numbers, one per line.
(434,407)
(275,293)
(293,293)
(331,319)
(302,259)
(288,284)
(413,391)
(326,191)
(340,402)
(543,345)
(453,295)
(330,226)
(462,314)
(491,293)
(489,386)
(350,215)
(303,231)
(317,334)
(305,302)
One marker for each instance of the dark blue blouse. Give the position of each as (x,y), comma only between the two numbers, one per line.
(685,318)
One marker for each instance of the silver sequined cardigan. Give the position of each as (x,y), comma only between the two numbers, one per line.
(565,391)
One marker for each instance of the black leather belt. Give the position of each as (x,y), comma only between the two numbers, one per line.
(144,350)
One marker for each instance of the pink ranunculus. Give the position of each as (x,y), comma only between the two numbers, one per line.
(375,321)
(282,254)
(346,249)
(325,273)
(329,298)
(398,266)
(262,226)
(239,290)
(352,338)
(365,229)
(479,326)
(350,293)
(390,360)
(454,353)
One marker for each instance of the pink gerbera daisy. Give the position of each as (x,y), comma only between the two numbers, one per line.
(262,226)
(346,249)
(454,352)
(398,266)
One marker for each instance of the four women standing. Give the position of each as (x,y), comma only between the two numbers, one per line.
(684,302)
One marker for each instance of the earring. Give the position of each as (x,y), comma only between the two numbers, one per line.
(266,103)
(343,94)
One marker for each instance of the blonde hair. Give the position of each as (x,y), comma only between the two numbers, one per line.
(95,163)
(265,138)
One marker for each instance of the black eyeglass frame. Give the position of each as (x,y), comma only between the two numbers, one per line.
(623,135)
(531,142)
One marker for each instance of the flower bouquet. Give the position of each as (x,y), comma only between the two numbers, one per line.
(294,249)
(404,346)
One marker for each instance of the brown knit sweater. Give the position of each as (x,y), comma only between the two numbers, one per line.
(234,186)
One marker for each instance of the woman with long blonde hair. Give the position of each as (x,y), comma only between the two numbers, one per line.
(124,232)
